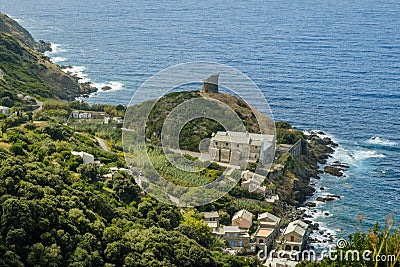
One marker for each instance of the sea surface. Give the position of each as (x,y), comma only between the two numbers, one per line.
(332,66)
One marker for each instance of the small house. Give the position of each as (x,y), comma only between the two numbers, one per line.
(295,236)
(212,220)
(4,110)
(270,221)
(234,236)
(264,237)
(87,158)
(243,219)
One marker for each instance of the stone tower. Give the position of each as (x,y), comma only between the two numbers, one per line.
(210,85)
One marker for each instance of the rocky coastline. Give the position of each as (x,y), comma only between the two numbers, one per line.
(323,148)
(33,58)
(314,163)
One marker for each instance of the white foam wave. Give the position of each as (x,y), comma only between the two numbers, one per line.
(323,236)
(376,140)
(350,157)
(77,71)
(16,19)
(321,134)
(56,48)
(57,60)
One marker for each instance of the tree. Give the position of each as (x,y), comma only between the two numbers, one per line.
(101,206)
(3,126)
(17,149)
(125,189)
(198,227)
(89,172)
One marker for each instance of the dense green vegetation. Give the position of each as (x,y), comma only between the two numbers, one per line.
(20,77)
(285,134)
(56,211)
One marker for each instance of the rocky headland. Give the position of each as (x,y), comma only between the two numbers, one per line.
(25,69)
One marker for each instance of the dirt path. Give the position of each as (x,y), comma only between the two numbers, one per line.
(40,104)
(102,143)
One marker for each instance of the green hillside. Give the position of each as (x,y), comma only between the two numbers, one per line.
(197,129)
(23,69)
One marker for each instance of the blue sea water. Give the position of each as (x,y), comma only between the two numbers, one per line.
(327,65)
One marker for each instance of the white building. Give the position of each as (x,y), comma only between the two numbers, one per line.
(212,220)
(4,110)
(239,148)
(85,115)
(252,182)
(235,236)
(76,114)
(267,230)
(87,158)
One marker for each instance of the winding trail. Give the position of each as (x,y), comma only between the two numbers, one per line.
(102,143)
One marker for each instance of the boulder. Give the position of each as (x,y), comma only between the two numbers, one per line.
(311,204)
(340,165)
(328,198)
(106,88)
(335,171)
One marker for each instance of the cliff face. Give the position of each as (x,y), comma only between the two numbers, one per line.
(25,70)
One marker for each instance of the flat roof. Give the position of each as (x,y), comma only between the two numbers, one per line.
(211,214)
(242,137)
(263,232)
(212,224)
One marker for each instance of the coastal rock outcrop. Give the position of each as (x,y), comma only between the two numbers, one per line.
(321,148)
(328,198)
(335,171)
(106,88)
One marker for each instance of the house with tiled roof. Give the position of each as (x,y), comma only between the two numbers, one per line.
(264,237)
(239,148)
(267,231)
(243,219)
(252,182)
(268,220)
